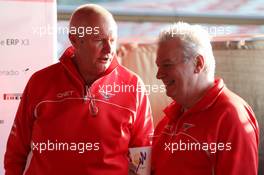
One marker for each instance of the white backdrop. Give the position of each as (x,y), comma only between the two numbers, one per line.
(27,44)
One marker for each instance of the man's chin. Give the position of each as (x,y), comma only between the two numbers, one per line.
(101,69)
(170,94)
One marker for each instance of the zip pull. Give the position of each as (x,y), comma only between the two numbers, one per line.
(92,106)
(85,97)
(93,109)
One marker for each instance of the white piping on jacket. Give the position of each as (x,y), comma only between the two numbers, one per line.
(70,98)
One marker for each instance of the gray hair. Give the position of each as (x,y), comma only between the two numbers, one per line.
(195,41)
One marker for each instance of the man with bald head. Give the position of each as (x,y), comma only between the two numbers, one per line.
(96,49)
(77,116)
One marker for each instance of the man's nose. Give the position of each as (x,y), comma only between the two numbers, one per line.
(159,74)
(107,46)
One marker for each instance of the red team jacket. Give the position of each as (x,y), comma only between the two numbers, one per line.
(63,127)
(217,136)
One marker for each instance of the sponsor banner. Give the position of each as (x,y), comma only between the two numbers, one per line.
(23,52)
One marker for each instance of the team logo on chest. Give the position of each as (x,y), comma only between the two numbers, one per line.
(106,95)
(65,94)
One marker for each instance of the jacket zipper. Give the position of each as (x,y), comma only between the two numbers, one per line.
(175,129)
(174,133)
(85,97)
(92,106)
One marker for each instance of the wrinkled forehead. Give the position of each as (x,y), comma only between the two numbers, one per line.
(169,50)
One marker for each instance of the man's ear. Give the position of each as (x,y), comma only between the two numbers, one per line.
(199,64)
